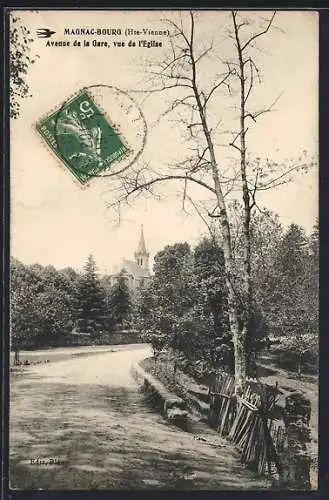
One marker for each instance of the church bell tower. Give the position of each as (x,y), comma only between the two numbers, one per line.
(142,256)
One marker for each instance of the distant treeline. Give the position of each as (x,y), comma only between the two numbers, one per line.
(184,306)
(52,307)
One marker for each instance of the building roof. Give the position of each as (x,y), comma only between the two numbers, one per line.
(133,268)
(141,245)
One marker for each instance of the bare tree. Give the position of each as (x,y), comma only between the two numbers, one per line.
(181,72)
(246,69)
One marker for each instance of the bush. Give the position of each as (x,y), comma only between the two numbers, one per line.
(299,354)
(289,360)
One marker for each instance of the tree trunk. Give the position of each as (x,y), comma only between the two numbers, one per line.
(238,335)
(16,361)
(240,364)
(247,306)
(175,368)
(299,366)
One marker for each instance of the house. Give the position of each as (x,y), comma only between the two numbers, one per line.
(136,272)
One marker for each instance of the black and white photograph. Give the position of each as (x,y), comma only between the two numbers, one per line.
(164,250)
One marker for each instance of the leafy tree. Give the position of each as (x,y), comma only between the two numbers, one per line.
(20,40)
(292,253)
(314,244)
(90,300)
(298,263)
(203,174)
(298,353)
(106,285)
(312,282)
(285,277)
(185,307)
(290,297)
(57,300)
(120,302)
(41,306)
(209,276)
(167,297)
(69,279)
(168,294)
(209,272)
(70,274)
(24,318)
(267,234)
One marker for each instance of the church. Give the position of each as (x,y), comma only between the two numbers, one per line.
(136,272)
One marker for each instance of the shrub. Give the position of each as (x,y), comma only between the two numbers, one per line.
(298,353)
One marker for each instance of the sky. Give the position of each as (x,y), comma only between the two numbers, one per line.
(56,221)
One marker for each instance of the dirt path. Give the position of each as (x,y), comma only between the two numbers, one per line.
(87,413)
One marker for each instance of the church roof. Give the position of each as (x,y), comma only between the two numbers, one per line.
(141,245)
(133,268)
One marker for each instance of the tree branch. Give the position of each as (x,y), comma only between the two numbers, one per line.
(257,35)
(139,187)
(198,211)
(219,84)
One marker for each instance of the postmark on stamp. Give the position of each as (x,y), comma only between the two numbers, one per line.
(82,137)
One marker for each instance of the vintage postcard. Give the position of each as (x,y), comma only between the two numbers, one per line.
(163,250)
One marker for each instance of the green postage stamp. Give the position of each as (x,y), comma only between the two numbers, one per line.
(82,137)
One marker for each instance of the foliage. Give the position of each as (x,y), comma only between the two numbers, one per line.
(296,294)
(184,307)
(207,178)
(120,302)
(41,305)
(20,59)
(168,295)
(209,272)
(285,277)
(91,300)
(287,283)
(157,341)
(298,354)
(50,307)
(24,313)
(284,270)
(211,281)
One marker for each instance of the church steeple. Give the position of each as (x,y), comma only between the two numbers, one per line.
(142,256)
(141,245)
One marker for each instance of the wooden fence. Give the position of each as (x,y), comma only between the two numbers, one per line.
(249,422)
